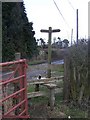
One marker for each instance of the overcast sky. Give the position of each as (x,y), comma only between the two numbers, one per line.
(44,14)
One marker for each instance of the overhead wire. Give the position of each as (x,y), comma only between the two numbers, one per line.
(60,13)
(74,10)
(71,5)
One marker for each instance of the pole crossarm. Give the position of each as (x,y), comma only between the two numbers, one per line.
(56,30)
(50,30)
(47,31)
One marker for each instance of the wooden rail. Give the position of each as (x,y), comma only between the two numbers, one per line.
(44,81)
(36,94)
(51,85)
(42,93)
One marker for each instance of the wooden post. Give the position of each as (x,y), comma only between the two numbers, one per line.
(36,87)
(50,31)
(77,26)
(52,98)
(17,56)
(16,85)
(89,59)
(66,86)
(51,101)
(49,54)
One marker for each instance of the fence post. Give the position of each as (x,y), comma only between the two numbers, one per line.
(17,56)
(66,86)
(16,85)
(37,85)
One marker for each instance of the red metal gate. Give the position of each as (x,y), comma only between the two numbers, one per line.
(14,89)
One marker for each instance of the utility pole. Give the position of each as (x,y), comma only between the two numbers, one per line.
(89,59)
(71,36)
(77,26)
(50,31)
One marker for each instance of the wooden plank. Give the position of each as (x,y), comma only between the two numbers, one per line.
(46,80)
(37,82)
(36,94)
(50,85)
(42,93)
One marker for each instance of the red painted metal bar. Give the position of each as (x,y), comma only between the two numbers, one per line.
(18,66)
(15,107)
(13,62)
(13,72)
(14,116)
(5,74)
(21,86)
(25,83)
(12,80)
(22,112)
(12,95)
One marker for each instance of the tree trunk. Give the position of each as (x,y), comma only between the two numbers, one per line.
(89,108)
(81,94)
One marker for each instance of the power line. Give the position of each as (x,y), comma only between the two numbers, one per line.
(71,5)
(62,16)
(60,13)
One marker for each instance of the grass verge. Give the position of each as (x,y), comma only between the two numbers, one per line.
(36,62)
(60,106)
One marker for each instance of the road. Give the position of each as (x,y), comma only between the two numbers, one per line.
(41,69)
(35,70)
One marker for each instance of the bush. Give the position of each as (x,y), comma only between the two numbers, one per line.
(79,71)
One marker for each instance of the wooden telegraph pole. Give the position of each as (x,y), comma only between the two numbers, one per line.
(89,59)
(71,36)
(77,26)
(50,31)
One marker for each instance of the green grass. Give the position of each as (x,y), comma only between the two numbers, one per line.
(72,111)
(31,88)
(38,100)
(60,84)
(36,62)
(75,112)
(57,70)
